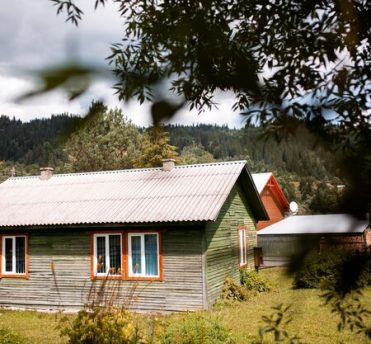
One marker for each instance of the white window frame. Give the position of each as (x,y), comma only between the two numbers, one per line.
(142,254)
(242,239)
(108,267)
(3,263)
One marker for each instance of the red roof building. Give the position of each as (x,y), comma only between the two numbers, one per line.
(272,196)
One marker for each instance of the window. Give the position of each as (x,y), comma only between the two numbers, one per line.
(242,245)
(107,255)
(143,255)
(126,255)
(14,256)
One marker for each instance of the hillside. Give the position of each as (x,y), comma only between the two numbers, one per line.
(301,164)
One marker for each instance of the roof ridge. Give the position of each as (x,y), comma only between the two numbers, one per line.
(130,170)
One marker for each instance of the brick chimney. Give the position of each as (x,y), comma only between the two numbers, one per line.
(168,164)
(46,173)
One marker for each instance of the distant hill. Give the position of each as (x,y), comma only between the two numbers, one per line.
(31,142)
(302,166)
(300,154)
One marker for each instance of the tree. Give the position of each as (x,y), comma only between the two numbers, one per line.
(325,199)
(288,63)
(196,154)
(106,140)
(155,147)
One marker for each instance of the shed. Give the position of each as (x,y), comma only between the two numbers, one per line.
(273,198)
(158,239)
(294,234)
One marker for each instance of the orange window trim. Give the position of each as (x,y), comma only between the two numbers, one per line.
(241,228)
(21,276)
(124,258)
(142,278)
(92,272)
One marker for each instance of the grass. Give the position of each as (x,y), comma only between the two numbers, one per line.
(34,327)
(312,321)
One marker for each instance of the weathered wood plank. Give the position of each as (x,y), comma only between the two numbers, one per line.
(69,287)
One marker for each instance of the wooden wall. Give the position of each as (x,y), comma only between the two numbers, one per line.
(278,249)
(221,242)
(347,242)
(67,253)
(273,207)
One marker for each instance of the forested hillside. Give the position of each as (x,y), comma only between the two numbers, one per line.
(304,168)
(30,142)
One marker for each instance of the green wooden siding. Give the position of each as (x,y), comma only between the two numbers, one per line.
(196,262)
(69,287)
(221,243)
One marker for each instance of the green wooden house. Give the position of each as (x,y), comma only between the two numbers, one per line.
(160,239)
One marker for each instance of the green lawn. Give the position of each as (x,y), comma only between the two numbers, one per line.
(312,321)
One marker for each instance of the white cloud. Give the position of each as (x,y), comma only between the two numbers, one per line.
(32,37)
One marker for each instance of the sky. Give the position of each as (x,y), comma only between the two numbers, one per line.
(33,37)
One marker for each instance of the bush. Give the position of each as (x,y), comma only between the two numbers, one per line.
(9,337)
(197,329)
(101,326)
(233,291)
(334,267)
(253,281)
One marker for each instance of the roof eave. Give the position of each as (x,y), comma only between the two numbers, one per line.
(253,196)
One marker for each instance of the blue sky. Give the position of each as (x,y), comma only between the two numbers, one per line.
(32,37)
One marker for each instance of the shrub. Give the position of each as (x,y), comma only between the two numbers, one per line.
(102,326)
(195,328)
(334,267)
(234,291)
(253,281)
(9,337)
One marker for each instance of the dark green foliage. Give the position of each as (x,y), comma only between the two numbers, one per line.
(299,155)
(74,78)
(256,52)
(275,325)
(326,199)
(9,337)
(337,267)
(252,280)
(233,291)
(195,328)
(107,325)
(31,142)
(250,283)
(343,291)
(350,310)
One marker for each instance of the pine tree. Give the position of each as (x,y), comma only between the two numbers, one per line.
(155,147)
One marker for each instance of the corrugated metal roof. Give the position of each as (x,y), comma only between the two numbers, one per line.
(261,180)
(186,193)
(316,224)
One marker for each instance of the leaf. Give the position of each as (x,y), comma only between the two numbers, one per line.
(74,78)
(164,110)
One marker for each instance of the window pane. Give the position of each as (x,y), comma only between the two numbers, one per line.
(8,254)
(115,254)
(101,254)
(242,240)
(244,246)
(151,254)
(136,255)
(20,255)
